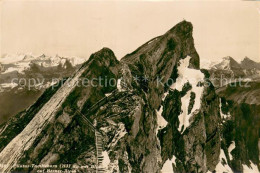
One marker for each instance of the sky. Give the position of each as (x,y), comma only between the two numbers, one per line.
(79,28)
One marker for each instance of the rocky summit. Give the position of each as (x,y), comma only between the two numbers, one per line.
(153,111)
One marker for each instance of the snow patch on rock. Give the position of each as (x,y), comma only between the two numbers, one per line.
(207,64)
(252,169)
(193,77)
(160,120)
(167,166)
(184,117)
(11,58)
(108,94)
(230,148)
(223,116)
(106,160)
(120,85)
(18,67)
(165,95)
(121,131)
(221,167)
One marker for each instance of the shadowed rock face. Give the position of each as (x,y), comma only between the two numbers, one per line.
(249,64)
(242,102)
(129,118)
(243,92)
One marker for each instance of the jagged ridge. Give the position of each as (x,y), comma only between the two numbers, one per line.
(128,119)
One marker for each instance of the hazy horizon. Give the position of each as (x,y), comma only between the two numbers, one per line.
(81,28)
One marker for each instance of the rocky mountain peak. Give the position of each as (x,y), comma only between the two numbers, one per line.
(159,58)
(230,59)
(138,125)
(57,56)
(247,63)
(102,64)
(27,57)
(159,55)
(104,56)
(183,27)
(42,56)
(228,63)
(246,59)
(184,31)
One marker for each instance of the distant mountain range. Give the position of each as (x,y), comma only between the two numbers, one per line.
(229,70)
(17,70)
(236,81)
(23,62)
(37,67)
(228,63)
(179,124)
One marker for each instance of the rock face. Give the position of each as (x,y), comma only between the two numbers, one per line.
(241,104)
(241,135)
(241,92)
(160,113)
(249,64)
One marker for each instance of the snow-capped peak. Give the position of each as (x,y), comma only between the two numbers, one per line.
(11,58)
(14,58)
(28,57)
(42,56)
(208,64)
(21,62)
(227,63)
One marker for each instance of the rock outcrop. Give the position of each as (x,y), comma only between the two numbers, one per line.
(161,114)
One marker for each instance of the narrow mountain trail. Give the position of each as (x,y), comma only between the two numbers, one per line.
(98,144)
(100,168)
(22,142)
(99,149)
